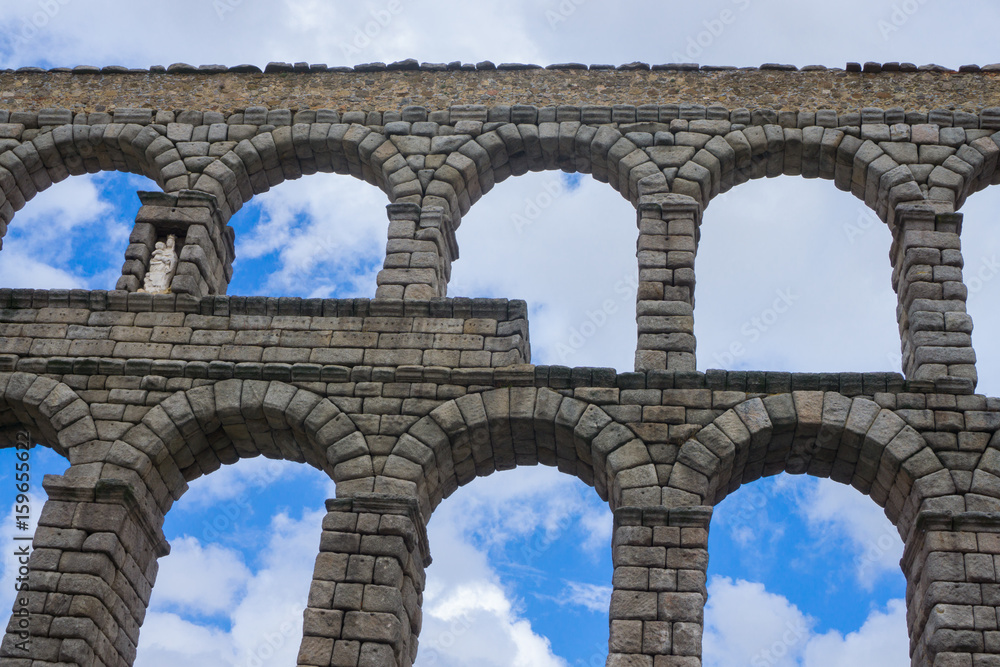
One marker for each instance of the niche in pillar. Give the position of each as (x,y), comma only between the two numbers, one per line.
(204,243)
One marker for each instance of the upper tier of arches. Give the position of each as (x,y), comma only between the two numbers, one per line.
(454,163)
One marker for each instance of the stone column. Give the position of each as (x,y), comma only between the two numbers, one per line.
(419,253)
(205,243)
(90,576)
(952,590)
(935,329)
(668,241)
(364,603)
(657,606)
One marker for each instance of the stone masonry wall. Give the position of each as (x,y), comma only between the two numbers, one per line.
(376,87)
(641,439)
(405,397)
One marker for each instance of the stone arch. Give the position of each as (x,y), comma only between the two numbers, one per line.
(475,166)
(971,168)
(500,429)
(984,494)
(289,152)
(713,156)
(56,152)
(52,413)
(195,432)
(825,434)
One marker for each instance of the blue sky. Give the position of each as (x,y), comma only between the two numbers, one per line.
(803,571)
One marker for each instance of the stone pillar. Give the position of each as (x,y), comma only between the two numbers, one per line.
(657,606)
(91,574)
(935,329)
(419,253)
(205,243)
(668,242)
(364,603)
(952,589)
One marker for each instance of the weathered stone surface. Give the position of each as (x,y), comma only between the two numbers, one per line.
(403,398)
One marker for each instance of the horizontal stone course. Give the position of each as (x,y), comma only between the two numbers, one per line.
(130,88)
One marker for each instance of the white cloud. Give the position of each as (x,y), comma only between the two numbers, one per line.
(534,501)
(841,510)
(746,624)
(574,253)
(264,623)
(794,275)
(203,580)
(236,481)
(71,32)
(881,640)
(328,234)
(469,617)
(589,596)
(21,270)
(168,640)
(747,517)
(68,237)
(981,245)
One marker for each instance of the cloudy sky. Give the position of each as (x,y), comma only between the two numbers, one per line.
(522,566)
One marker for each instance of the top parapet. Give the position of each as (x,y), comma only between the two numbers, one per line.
(381,87)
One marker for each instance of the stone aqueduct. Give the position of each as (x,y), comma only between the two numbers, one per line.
(405,397)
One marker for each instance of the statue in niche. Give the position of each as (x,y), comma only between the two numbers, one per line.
(162,266)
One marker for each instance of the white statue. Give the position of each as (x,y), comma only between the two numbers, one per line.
(162,265)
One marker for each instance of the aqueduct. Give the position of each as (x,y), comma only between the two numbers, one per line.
(406,396)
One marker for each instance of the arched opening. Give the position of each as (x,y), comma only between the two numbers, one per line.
(73,235)
(794,276)
(233,589)
(317,237)
(851,441)
(521,574)
(818,563)
(981,252)
(566,244)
